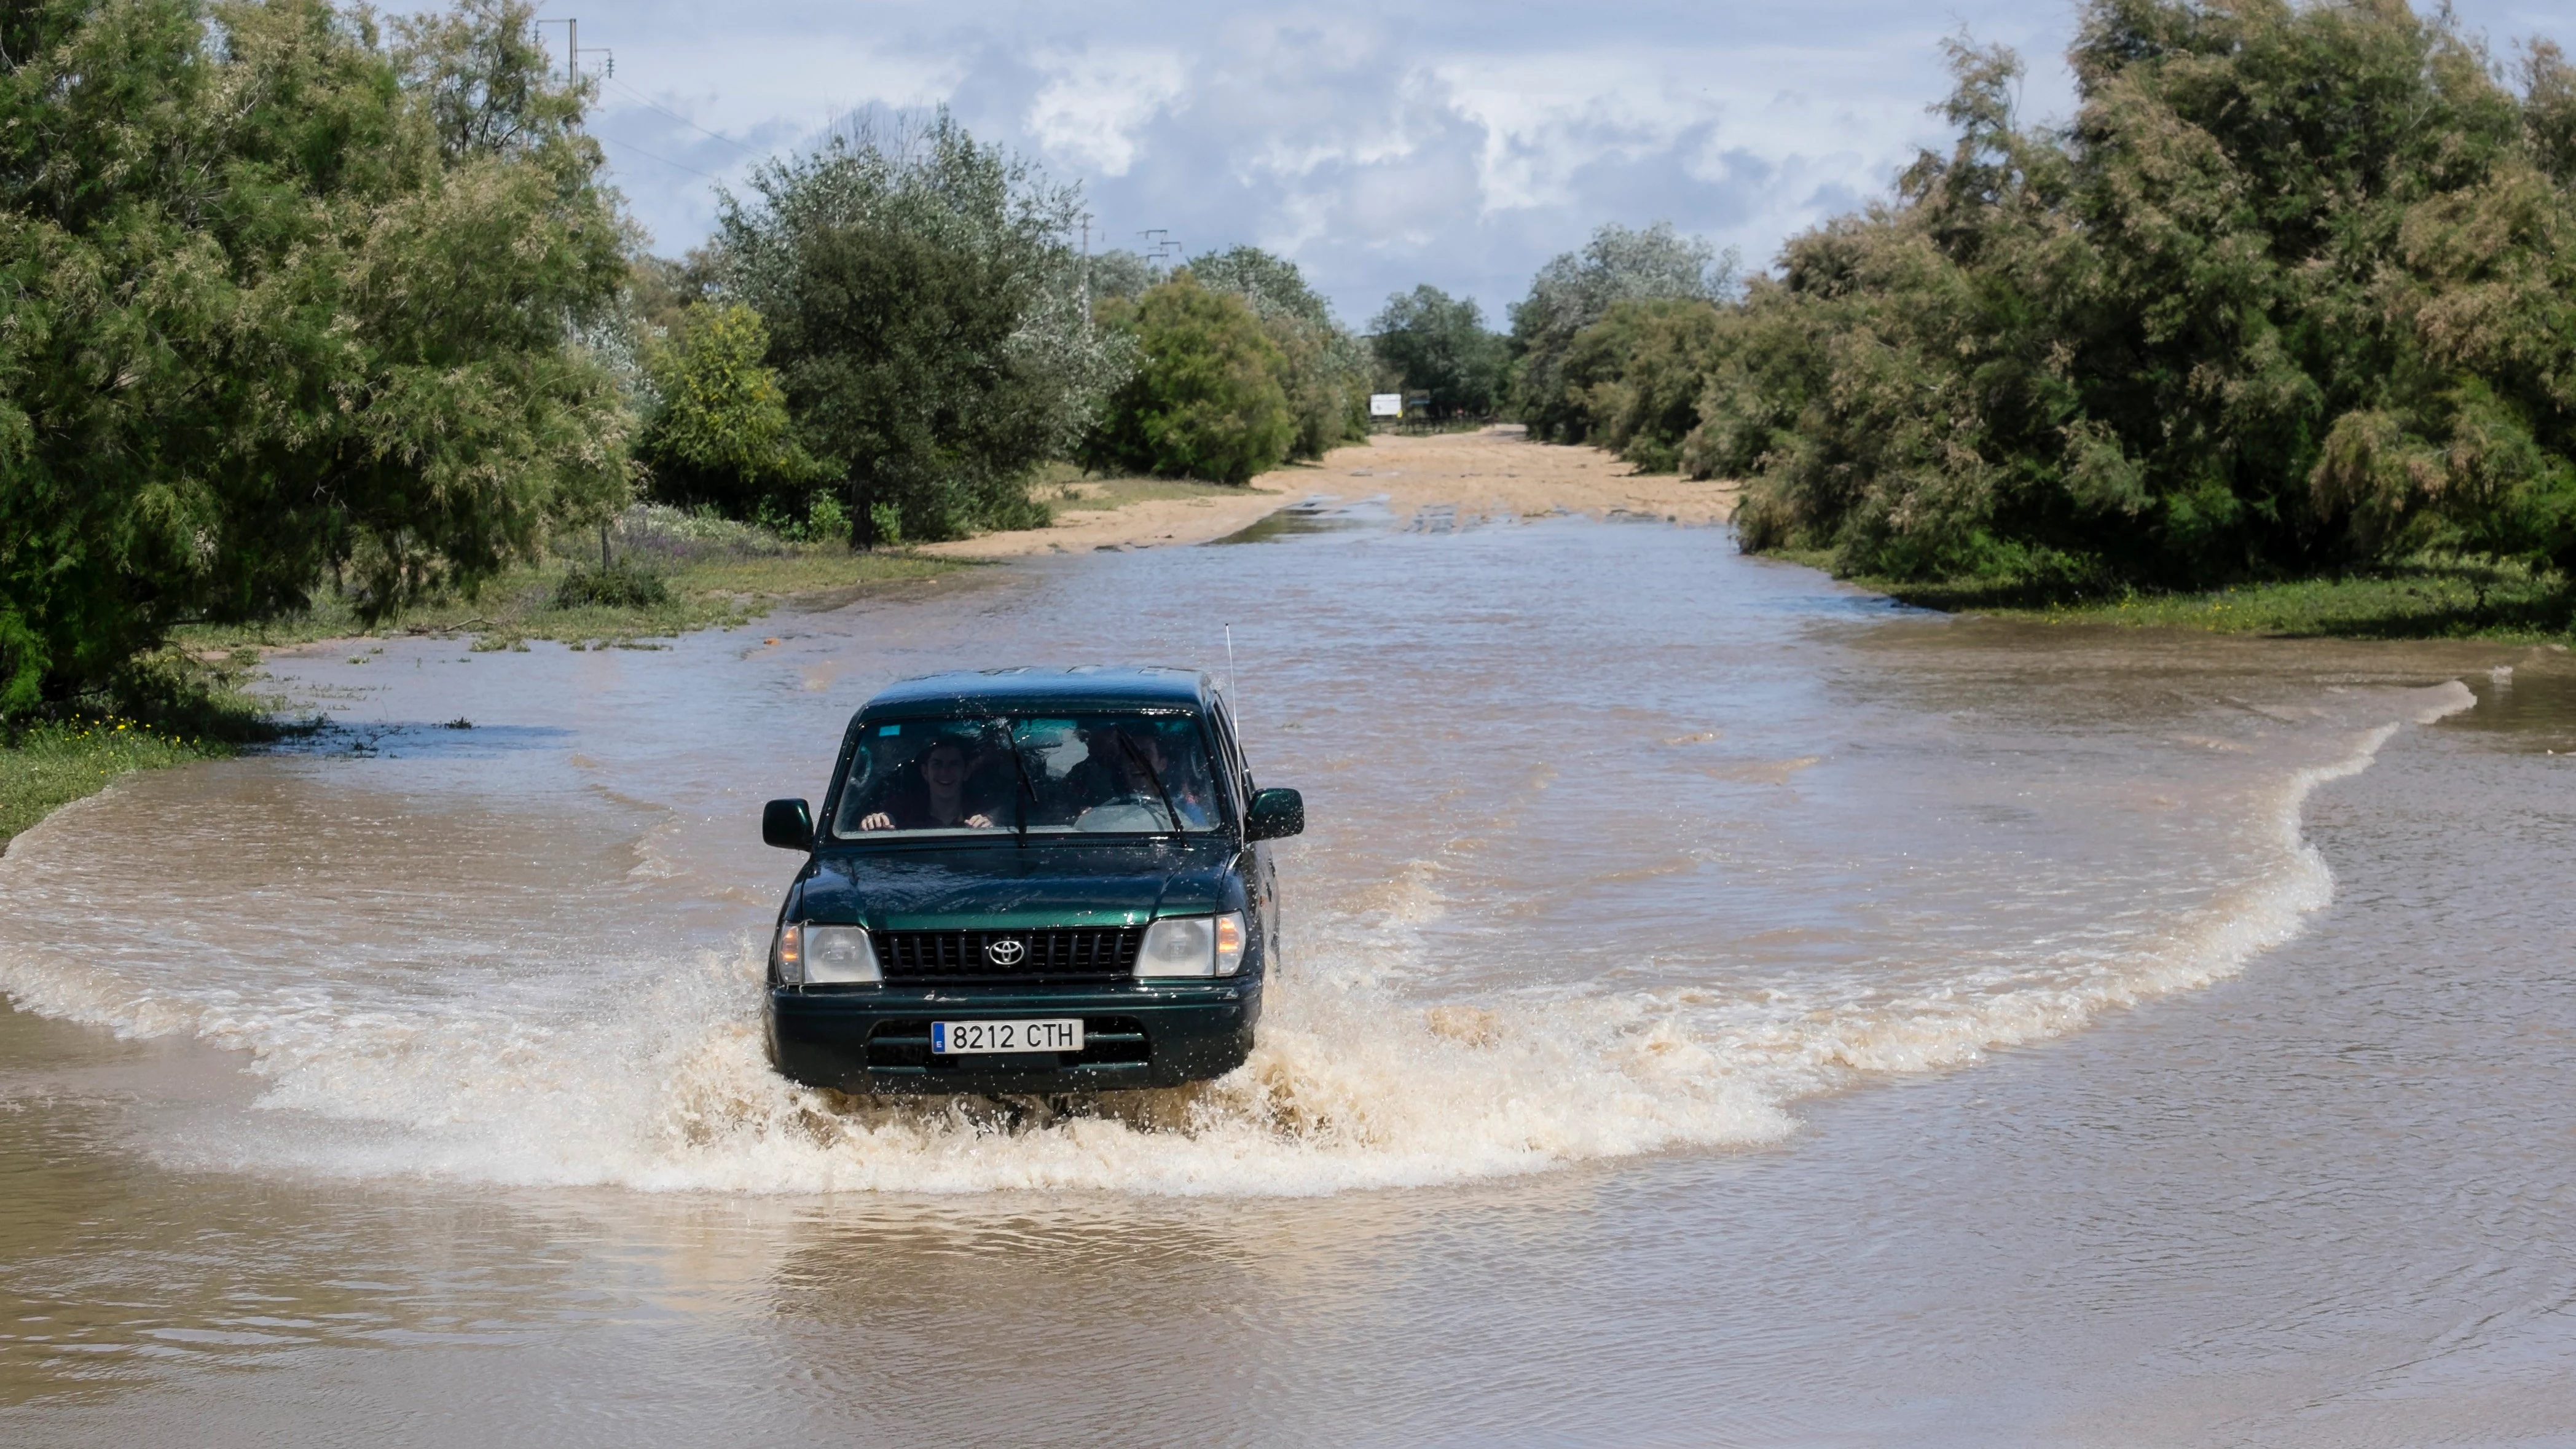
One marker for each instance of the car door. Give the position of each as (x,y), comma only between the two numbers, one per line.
(1260,875)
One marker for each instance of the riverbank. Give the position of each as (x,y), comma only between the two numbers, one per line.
(52,765)
(2424,599)
(529,602)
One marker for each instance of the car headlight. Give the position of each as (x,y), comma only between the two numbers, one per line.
(1192,946)
(824,956)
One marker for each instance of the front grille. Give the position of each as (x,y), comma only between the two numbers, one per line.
(1060,954)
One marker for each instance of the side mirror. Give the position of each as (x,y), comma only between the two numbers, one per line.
(1275,813)
(787,824)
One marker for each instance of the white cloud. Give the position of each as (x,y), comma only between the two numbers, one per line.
(1094,102)
(1451,142)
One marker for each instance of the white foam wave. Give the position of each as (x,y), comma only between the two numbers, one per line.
(1352,1086)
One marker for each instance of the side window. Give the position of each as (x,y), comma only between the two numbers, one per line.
(1230,751)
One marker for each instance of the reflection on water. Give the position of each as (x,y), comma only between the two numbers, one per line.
(1318,514)
(1629,857)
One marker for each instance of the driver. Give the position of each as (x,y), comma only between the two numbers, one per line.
(934,798)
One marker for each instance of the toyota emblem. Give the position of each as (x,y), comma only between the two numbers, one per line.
(1006,952)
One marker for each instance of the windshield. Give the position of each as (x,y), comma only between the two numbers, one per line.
(1057,775)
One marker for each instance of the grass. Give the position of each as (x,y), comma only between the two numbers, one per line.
(720,588)
(53,764)
(2424,598)
(168,707)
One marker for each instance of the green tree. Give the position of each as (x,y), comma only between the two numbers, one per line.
(1325,370)
(718,431)
(1438,345)
(1117,275)
(2296,290)
(661,291)
(1637,376)
(1207,401)
(1577,289)
(926,317)
(284,297)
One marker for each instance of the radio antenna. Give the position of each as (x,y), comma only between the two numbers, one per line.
(1229,668)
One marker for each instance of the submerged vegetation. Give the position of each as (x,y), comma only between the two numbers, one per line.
(167,707)
(2432,597)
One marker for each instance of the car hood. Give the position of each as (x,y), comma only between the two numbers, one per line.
(1014,887)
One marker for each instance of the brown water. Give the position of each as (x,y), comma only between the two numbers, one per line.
(1720,1008)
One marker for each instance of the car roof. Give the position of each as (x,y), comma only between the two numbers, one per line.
(966,693)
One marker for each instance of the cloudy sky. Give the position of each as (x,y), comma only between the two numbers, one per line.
(1461,144)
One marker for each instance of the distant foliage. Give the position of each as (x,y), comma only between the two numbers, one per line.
(927,318)
(1324,369)
(1577,290)
(1634,379)
(285,296)
(1207,401)
(1437,344)
(2295,291)
(716,429)
(1117,275)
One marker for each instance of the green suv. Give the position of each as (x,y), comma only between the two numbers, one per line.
(1029,880)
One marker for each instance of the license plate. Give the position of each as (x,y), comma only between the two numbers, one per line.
(1044,1034)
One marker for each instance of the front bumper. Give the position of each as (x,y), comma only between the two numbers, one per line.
(1140,1034)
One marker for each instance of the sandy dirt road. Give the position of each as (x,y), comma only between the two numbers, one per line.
(1497,471)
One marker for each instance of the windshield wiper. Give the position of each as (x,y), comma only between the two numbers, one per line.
(1153,775)
(1028,792)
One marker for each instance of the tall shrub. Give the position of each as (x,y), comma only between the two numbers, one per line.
(927,319)
(1324,369)
(2296,289)
(716,430)
(283,294)
(1578,289)
(1206,401)
(1636,376)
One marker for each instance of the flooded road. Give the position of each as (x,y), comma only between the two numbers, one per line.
(1719,1008)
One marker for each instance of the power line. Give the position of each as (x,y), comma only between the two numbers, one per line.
(665,160)
(646,100)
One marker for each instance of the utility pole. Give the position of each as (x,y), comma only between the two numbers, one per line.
(572,43)
(572,73)
(573,51)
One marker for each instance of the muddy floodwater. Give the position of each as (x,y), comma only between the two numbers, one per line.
(1718,1008)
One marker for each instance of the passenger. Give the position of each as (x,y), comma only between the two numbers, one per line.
(1128,762)
(934,798)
